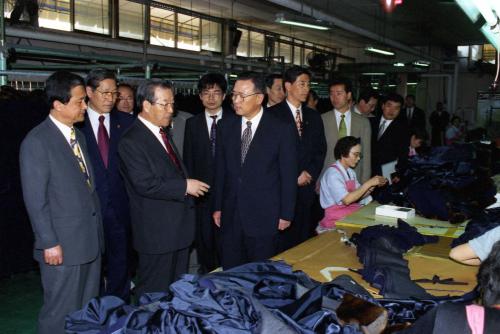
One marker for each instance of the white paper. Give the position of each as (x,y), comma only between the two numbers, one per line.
(388,169)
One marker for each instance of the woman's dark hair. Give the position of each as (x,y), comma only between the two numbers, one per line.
(344,145)
(488,277)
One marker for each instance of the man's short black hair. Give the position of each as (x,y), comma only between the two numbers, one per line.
(146,90)
(411,96)
(126,85)
(394,97)
(341,81)
(292,73)
(209,80)
(96,75)
(344,145)
(367,94)
(256,79)
(488,277)
(59,84)
(270,79)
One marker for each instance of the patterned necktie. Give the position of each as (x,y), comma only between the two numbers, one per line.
(170,150)
(246,139)
(410,114)
(213,134)
(298,122)
(381,130)
(78,154)
(103,141)
(342,127)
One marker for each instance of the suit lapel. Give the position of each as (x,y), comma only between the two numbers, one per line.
(355,125)
(114,136)
(92,141)
(258,139)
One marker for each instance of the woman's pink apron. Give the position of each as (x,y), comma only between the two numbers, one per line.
(337,212)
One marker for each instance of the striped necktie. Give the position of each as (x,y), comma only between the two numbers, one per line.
(78,154)
(246,139)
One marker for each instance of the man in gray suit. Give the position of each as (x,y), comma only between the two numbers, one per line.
(62,204)
(341,122)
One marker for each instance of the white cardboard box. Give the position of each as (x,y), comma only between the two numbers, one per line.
(395,211)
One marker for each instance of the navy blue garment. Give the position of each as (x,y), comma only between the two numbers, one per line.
(477,226)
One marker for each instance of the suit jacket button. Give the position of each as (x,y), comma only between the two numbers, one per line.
(93,214)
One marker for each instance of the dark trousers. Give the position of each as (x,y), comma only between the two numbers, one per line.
(66,289)
(301,227)
(117,275)
(157,271)
(31,8)
(238,248)
(207,239)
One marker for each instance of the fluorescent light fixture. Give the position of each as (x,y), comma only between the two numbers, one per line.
(411,83)
(391,85)
(373,73)
(233,75)
(399,64)
(379,51)
(280,18)
(486,9)
(375,83)
(422,63)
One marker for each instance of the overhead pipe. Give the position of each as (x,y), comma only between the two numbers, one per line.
(301,7)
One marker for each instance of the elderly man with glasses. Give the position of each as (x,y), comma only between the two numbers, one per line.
(255,177)
(103,128)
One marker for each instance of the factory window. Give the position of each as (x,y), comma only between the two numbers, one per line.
(54,14)
(243,45)
(297,54)
(92,16)
(188,32)
(210,35)
(131,19)
(256,44)
(286,52)
(162,27)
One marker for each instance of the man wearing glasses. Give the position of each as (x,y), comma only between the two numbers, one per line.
(199,156)
(256,177)
(103,128)
(125,102)
(160,190)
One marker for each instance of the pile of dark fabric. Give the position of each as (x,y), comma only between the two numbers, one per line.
(477,226)
(380,249)
(263,297)
(447,183)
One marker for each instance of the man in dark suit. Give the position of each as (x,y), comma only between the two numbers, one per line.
(413,115)
(199,157)
(125,102)
(103,128)
(161,207)
(256,176)
(311,150)
(59,192)
(391,136)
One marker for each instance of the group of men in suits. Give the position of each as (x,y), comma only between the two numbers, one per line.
(242,187)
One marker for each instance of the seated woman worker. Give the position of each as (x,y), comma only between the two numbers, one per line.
(340,191)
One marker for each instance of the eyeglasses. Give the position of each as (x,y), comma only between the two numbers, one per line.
(235,95)
(108,94)
(211,94)
(165,105)
(357,154)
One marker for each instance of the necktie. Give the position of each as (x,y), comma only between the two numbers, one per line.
(298,122)
(213,134)
(342,127)
(246,139)
(170,150)
(78,154)
(410,113)
(103,141)
(381,130)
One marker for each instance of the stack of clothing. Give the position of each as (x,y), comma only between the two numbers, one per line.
(447,183)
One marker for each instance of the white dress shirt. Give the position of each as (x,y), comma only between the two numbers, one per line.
(210,120)
(66,131)
(347,120)
(154,129)
(94,121)
(255,122)
(294,109)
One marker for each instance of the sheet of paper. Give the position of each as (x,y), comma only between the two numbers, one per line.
(388,169)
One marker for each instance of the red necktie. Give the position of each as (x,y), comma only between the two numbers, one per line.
(170,149)
(103,141)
